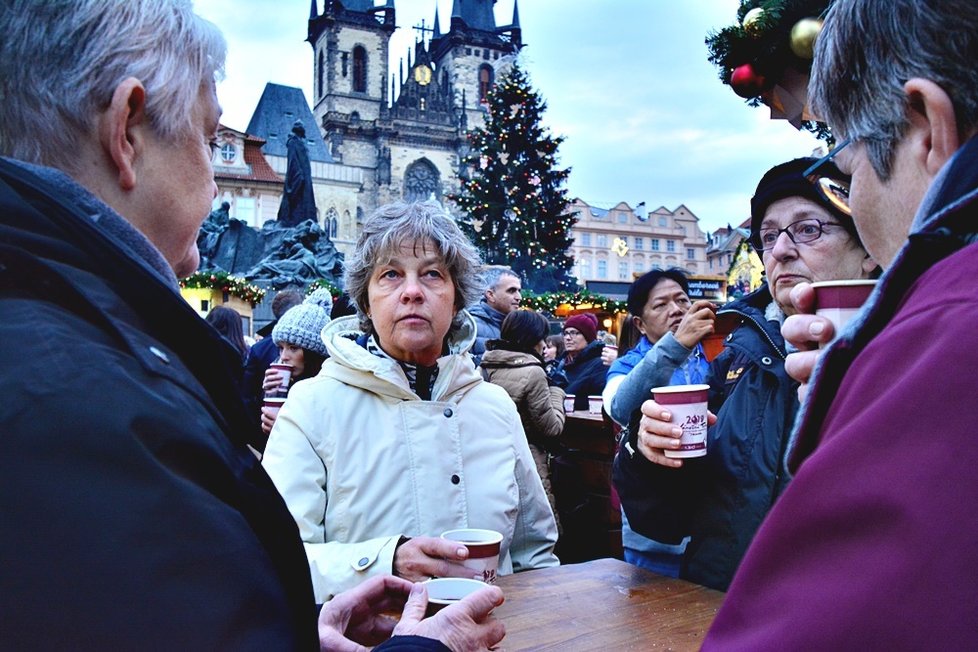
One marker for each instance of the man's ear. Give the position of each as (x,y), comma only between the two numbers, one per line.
(933,133)
(120,129)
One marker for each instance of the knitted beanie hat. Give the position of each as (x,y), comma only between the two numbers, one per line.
(303,324)
(586,323)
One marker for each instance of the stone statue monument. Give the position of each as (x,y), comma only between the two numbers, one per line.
(298,203)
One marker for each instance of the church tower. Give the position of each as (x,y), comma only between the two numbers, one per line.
(350,42)
(474,52)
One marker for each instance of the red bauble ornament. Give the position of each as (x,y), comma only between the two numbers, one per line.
(745,81)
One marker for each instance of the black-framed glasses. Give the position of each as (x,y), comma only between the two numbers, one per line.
(800,232)
(570,332)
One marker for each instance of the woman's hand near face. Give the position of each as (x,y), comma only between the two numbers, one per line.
(422,558)
(697,323)
(272,380)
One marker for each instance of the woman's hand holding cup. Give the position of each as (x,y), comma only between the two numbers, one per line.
(656,434)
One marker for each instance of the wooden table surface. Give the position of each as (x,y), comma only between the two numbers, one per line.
(606,605)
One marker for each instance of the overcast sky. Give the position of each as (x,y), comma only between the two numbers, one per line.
(627,82)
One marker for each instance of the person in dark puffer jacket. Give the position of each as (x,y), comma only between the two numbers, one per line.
(582,365)
(720,500)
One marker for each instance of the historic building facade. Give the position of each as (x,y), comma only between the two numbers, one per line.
(379,135)
(622,242)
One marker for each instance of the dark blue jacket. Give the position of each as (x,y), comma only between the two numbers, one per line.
(586,374)
(719,500)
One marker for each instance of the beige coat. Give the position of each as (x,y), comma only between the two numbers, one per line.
(361,460)
(541,406)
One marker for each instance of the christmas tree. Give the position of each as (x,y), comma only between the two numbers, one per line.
(512,196)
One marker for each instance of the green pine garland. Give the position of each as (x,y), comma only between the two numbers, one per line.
(233,285)
(550,301)
(323,283)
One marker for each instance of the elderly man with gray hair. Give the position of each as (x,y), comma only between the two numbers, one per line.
(134,515)
(872,545)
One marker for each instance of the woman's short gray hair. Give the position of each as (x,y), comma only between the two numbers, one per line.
(392,226)
(867,51)
(61,61)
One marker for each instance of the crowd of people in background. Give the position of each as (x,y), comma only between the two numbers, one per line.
(150,495)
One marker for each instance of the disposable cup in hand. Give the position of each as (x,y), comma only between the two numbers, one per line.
(443,591)
(483,546)
(840,301)
(687,404)
(284,372)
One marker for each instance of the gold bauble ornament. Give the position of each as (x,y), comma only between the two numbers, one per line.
(803,36)
(750,21)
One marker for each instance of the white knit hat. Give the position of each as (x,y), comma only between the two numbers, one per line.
(302,325)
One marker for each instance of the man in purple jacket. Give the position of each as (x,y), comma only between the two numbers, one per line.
(873,544)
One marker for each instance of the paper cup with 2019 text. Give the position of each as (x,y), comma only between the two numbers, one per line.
(687,405)
(483,546)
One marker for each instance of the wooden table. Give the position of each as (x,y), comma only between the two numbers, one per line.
(604,605)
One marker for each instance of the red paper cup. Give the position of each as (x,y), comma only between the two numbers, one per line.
(273,402)
(483,548)
(687,403)
(443,591)
(840,301)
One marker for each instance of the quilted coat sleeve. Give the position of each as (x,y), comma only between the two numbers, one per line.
(544,404)
(655,369)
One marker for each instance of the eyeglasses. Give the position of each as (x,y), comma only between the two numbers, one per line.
(800,232)
(833,191)
(570,332)
(828,157)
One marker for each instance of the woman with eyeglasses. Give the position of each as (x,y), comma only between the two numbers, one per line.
(581,364)
(802,228)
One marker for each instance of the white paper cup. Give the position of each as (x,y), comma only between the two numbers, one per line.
(569,403)
(483,548)
(443,591)
(840,301)
(687,403)
(594,404)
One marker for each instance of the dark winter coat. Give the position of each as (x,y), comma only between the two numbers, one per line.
(133,515)
(586,374)
(488,322)
(720,500)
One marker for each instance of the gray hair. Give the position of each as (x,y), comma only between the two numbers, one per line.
(867,51)
(392,226)
(491,275)
(61,61)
